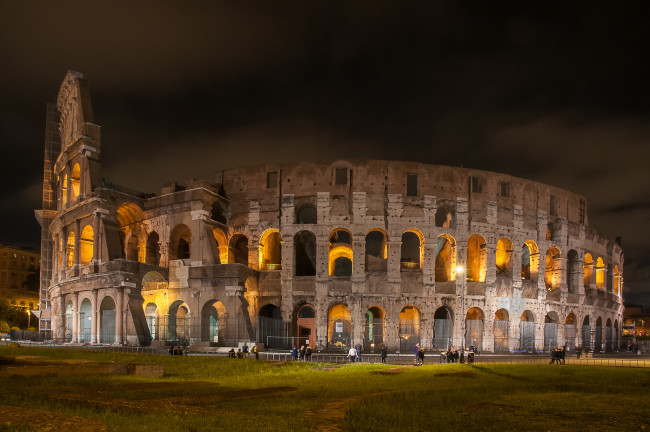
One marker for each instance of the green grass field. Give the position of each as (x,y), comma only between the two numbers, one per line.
(208,394)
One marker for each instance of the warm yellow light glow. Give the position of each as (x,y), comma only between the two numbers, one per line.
(86,245)
(75,180)
(338,252)
(70,250)
(460,269)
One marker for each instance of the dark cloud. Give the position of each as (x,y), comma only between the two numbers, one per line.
(555,93)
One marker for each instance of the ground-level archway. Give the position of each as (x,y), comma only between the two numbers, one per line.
(213,322)
(339,327)
(409,328)
(305,326)
(374,328)
(85,321)
(527,331)
(107,321)
(501,333)
(443,328)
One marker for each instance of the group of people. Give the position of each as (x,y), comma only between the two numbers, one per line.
(302,354)
(455,356)
(244,352)
(558,355)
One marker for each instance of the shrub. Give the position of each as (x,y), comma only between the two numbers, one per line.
(4,327)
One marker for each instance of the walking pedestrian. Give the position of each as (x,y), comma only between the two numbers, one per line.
(358,348)
(384,353)
(421,356)
(308,353)
(443,357)
(256,351)
(416,354)
(352,354)
(294,354)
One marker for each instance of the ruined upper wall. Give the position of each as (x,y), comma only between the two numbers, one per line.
(378,179)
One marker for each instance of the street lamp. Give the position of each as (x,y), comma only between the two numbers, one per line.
(460,272)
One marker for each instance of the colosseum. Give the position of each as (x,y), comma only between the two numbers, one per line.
(329,255)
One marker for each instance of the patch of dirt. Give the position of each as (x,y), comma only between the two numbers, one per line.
(42,420)
(392,371)
(483,406)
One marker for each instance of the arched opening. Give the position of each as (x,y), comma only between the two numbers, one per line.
(64,191)
(150,312)
(504,257)
(615,336)
(238,250)
(213,323)
(617,281)
(153,249)
(588,269)
(305,326)
(217,213)
(304,243)
(551,322)
(132,248)
(412,250)
(178,323)
(85,321)
(376,251)
(129,218)
(107,321)
(573,277)
(86,245)
(75,181)
(409,328)
(374,334)
(501,330)
(153,281)
(443,328)
(529,261)
(445,258)
(69,312)
(474,328)
(608,277)
(600,274)
(527,332)
(476,258)
(598,335)
(271,250)
(340,253)
(269,326)
(339,327)
(180,242)
(586,333)
(608,335)
(570,332)
(70,250)
(306,215)
(222,246)
(553,269)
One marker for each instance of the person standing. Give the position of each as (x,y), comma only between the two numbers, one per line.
(416,354)
(256,351)
(384,353)
(358,348)
(421,356)
(352,354)
(302,353)
(294,354)
(244,350)
(308,353)
(443,357)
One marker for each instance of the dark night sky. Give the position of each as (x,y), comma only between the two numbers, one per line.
(553,92)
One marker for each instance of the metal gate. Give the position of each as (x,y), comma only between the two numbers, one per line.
(550,336)
(108,327)
(68,326)
(474,333)
(586,336)
(443,331)
(270,332)
(608,338)
(570,336)
(501,336)
(598,339)
(85,323)
(527,336)
(374,332)
(409,334)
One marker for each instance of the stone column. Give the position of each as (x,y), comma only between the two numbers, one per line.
(75,317)
(119,316)
(94,328)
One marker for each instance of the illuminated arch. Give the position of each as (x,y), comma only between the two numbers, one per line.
(86,245)
(238,250)
(476,258)
(409,324)
(64,191)
(213,322)
(504,257)
(376,250)
(445,258)
(588,269)
(530,261)
(600,274)
(153,249)
(553,268)
(412,252)
(375,326)
(151,316)
(75,181)
(270,250)
(70,250)
(222,245)
(153,281)
(339,326)
(617,281)
(340,261)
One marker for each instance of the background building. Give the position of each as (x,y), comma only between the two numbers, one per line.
(19,276)
(377,252)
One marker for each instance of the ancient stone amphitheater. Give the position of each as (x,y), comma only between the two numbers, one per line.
(371,252)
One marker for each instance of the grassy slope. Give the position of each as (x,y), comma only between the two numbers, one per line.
(448,397)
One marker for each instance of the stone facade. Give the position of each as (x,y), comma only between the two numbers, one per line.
(376,252)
